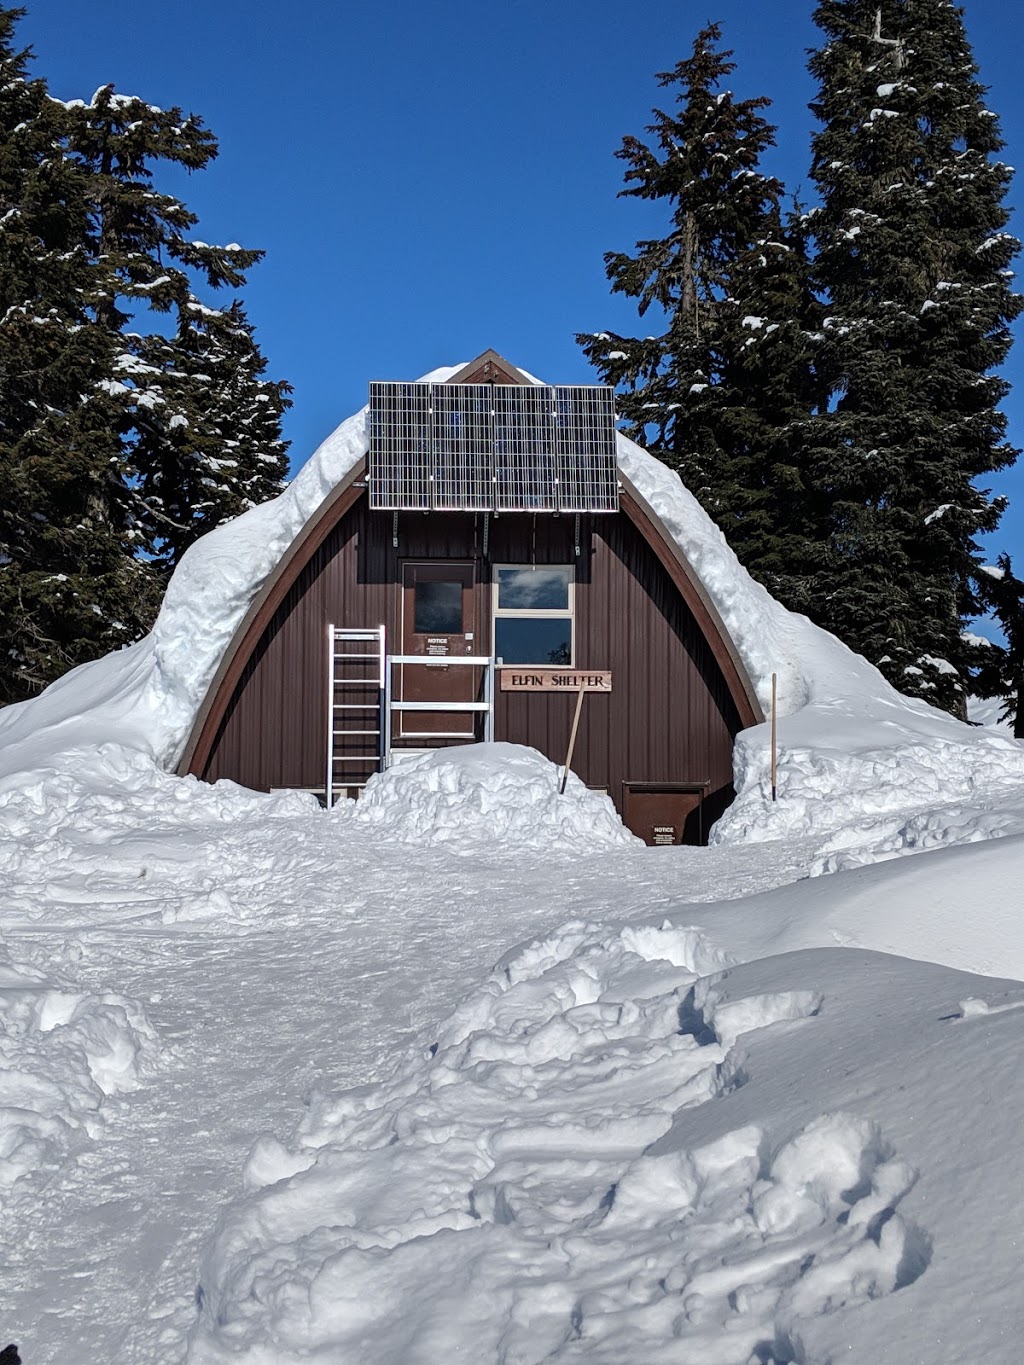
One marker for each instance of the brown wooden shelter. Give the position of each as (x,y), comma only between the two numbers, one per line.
(378,625)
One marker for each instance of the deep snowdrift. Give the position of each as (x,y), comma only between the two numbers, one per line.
(607,1155)
(503,793)
(63,1052)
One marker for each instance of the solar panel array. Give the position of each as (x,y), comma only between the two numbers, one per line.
(492,448)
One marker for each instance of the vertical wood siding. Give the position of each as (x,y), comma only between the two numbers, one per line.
(670,717)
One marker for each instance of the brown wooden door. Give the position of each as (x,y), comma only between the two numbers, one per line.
(439,622)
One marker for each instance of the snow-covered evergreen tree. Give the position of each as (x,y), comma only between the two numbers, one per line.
(715,393)
(193,393)
(136,233)
(208,443)
(761,491)
(914,259)
(132,415)
(70,585)
(1001,669)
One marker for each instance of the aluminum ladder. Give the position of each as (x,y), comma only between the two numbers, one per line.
(356,685)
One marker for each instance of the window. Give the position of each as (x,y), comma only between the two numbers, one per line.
(533,614)
(437,607)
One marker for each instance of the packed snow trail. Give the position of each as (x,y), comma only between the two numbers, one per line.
(613,1152)
(280,955)
(277,952)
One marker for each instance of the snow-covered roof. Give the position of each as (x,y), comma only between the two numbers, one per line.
(146,697)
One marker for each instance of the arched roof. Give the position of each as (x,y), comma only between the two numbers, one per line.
(318,528)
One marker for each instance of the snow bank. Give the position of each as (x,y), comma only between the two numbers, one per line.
(503,793)
(988,711)
(606,1155)
(63,1051)
(847,740)
(875,774)
(92,832)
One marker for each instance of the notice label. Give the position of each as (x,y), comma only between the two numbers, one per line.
(664,834)
(555,680)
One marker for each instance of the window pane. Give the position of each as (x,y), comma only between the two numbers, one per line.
(533,639)
(437,608)
(529,589)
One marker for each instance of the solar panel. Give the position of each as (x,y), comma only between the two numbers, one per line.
(492,447)
(401,445)
(585,442)
(524,449)
(462,427)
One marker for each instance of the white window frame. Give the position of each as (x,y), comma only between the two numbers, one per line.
(534,613)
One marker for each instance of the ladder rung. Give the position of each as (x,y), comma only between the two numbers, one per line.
(357,706)
(356,758)
(434,734)
(342,657)
(343,734)
(452,706)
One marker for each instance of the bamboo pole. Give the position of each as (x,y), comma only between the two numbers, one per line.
(774,737)
(572,737)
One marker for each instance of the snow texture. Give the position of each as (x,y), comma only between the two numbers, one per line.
(63,1052)
(488,792)
(610,1154)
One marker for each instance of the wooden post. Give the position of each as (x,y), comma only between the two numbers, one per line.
(572,737)
(774,733)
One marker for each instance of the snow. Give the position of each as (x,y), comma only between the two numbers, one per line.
(603,1140)
(63,1051)
(263,1099)
(986,710)
(653,1142)
(489,792)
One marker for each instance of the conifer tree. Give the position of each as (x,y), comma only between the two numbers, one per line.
(717,392)
(70,586)
(194,399)
(1001,669)
(762,492)
(208,443)
(118,445)
(914,259)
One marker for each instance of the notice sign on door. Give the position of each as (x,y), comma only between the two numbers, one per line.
(554,680)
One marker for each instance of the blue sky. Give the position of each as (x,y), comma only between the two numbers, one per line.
(429,180)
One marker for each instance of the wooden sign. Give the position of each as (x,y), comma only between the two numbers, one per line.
(555,680)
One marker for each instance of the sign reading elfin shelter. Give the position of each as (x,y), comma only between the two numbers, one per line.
(555,680)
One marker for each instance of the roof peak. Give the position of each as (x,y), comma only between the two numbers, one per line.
(489,368)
